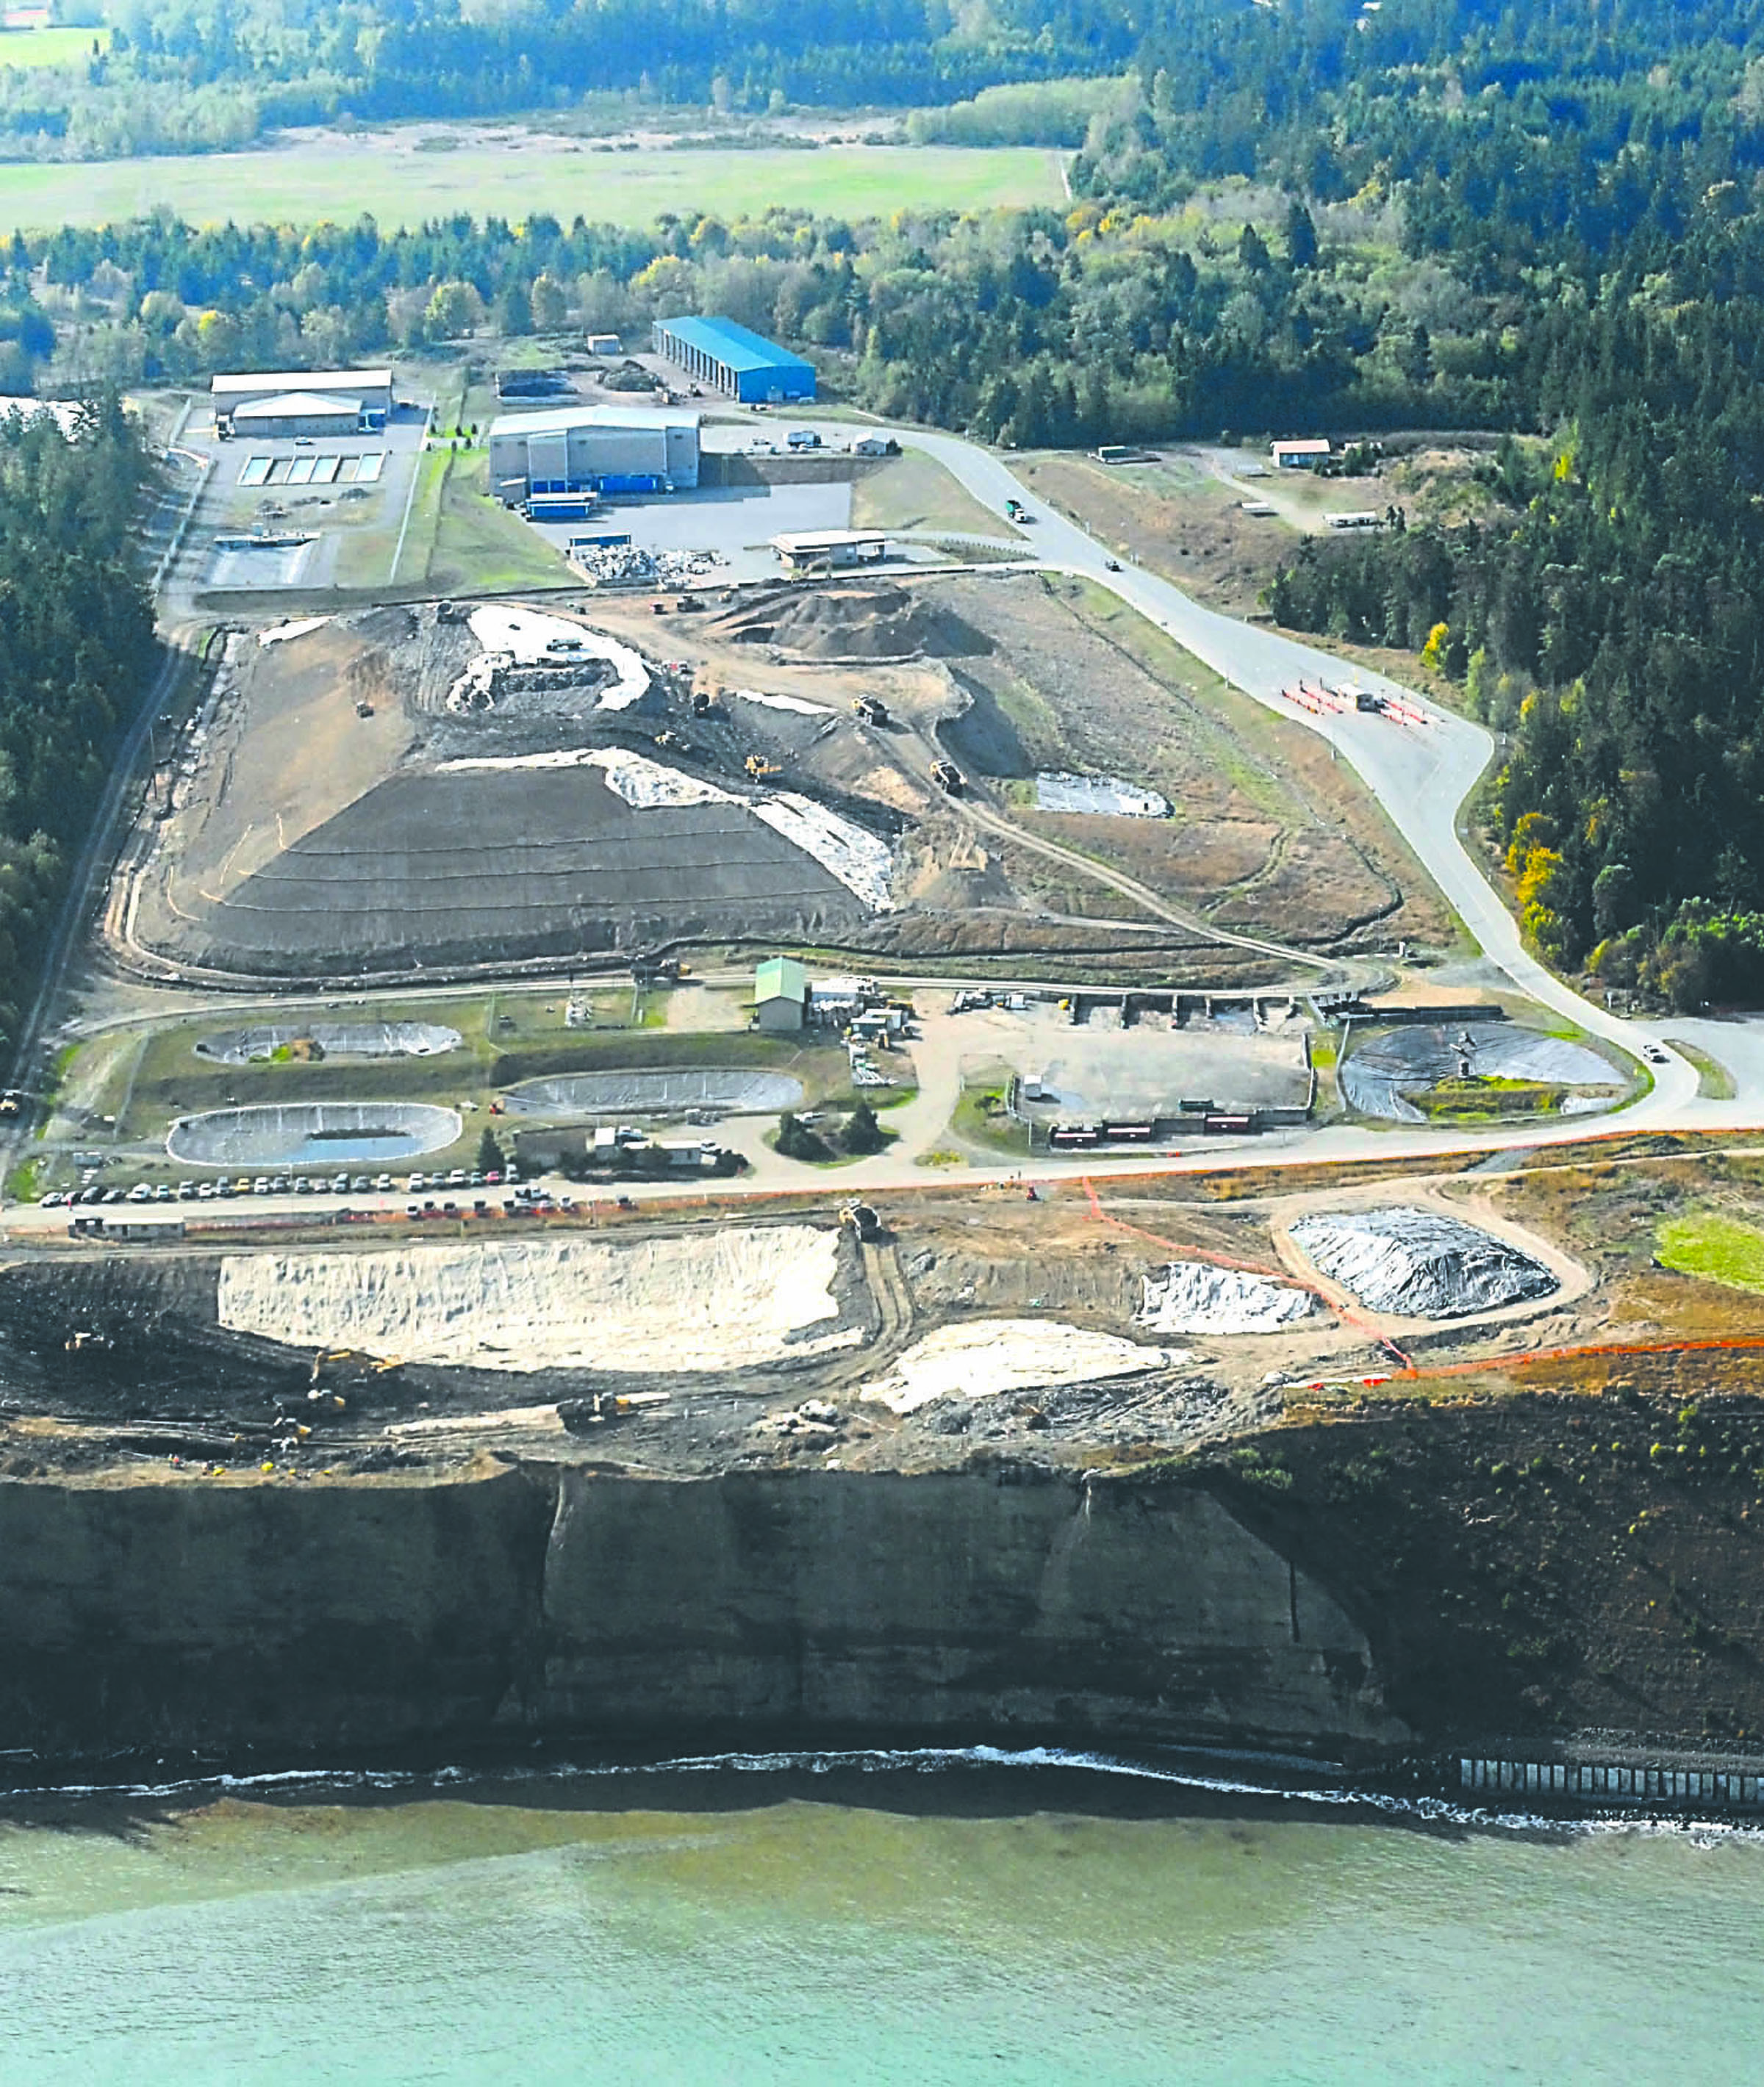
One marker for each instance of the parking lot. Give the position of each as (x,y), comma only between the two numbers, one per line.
(734,523)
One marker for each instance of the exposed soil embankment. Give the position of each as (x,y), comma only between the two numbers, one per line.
(508,1603)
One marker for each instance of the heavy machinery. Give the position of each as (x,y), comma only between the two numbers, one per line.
(871,709)
(758,767)
(948,778)
(671,742)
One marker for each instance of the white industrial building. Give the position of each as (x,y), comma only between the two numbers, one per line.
(269,402)
(593,448)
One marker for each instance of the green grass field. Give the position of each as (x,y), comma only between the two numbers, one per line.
(1717,1248)
(338,177)
(913,491)
(31,50)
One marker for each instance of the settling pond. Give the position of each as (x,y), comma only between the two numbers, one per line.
(1377,1074)
(730,1090)
(313,1133)
(335,1039)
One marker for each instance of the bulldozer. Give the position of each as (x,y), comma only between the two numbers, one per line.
(758,767)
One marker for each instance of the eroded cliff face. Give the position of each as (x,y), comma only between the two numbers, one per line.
(424,1617)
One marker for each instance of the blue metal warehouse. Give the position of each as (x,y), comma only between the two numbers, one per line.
(728,358)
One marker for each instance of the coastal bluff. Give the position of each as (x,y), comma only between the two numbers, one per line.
(520,1602)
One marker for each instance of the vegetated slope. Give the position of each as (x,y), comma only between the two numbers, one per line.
(1534,1565)
(76,644)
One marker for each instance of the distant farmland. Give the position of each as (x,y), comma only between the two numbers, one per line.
(516,174)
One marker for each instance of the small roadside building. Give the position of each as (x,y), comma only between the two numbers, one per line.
(1304,455)
(726,357)
(781,995)
(820,549)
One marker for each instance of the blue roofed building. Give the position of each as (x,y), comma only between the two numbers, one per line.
(725,358)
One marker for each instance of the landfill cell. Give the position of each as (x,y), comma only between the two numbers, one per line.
(462,867)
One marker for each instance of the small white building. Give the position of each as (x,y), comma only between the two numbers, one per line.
(1305,455)
(780,994)
(804,550)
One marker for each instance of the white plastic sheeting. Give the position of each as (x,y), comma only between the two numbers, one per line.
(280,634)
(1106,795)
(530,636)
(798,704)
(984,1357)
(1420,1264)
(861,860)
(1194,1297)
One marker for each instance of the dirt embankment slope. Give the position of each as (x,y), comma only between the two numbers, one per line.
(1531,1567)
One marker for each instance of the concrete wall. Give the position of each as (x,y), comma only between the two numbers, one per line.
(275,1621)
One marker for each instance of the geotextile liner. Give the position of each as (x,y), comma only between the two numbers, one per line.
(1419,1264)
(1375,1075)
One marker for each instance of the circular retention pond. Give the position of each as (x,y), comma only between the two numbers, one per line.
(1375,1077)
(313,1133)
(335,1039)
(729,1091)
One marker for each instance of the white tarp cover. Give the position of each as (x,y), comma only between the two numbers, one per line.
(1419,1264)
(1105,795)
(528,635)
(982,1358)
(1194,1297)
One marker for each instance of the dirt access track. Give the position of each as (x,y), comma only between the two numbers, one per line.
(364,798)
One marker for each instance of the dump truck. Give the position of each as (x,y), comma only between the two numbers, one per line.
(948,778)
(871,709)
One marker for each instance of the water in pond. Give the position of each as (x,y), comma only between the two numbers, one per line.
(313,1133)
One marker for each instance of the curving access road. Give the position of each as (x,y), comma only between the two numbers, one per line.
(1420,776)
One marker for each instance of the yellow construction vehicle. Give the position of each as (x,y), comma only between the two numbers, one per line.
(758,768)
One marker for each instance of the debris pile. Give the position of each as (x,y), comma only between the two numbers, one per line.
(1420,1264)
(1194,1297)
(629,565)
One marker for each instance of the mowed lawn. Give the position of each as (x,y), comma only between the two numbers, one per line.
(1721,1249)
(518,175)
(29,50)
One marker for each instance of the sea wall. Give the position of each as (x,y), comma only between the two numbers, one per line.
(344,1619)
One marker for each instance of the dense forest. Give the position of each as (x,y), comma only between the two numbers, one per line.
(76,644)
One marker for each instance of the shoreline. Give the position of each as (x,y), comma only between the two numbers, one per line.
(978,1780)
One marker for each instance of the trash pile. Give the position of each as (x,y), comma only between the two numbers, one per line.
(1194,1297)
(629,565)
(1420,1264)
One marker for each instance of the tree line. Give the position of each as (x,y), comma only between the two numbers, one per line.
(76,645)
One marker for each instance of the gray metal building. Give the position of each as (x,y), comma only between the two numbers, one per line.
(593,448)
(370,390)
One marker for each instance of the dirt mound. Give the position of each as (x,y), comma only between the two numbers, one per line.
(862,623)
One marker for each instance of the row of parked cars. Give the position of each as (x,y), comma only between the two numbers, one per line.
(276,1184)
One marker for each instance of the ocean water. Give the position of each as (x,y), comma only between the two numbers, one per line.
(963,1922)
